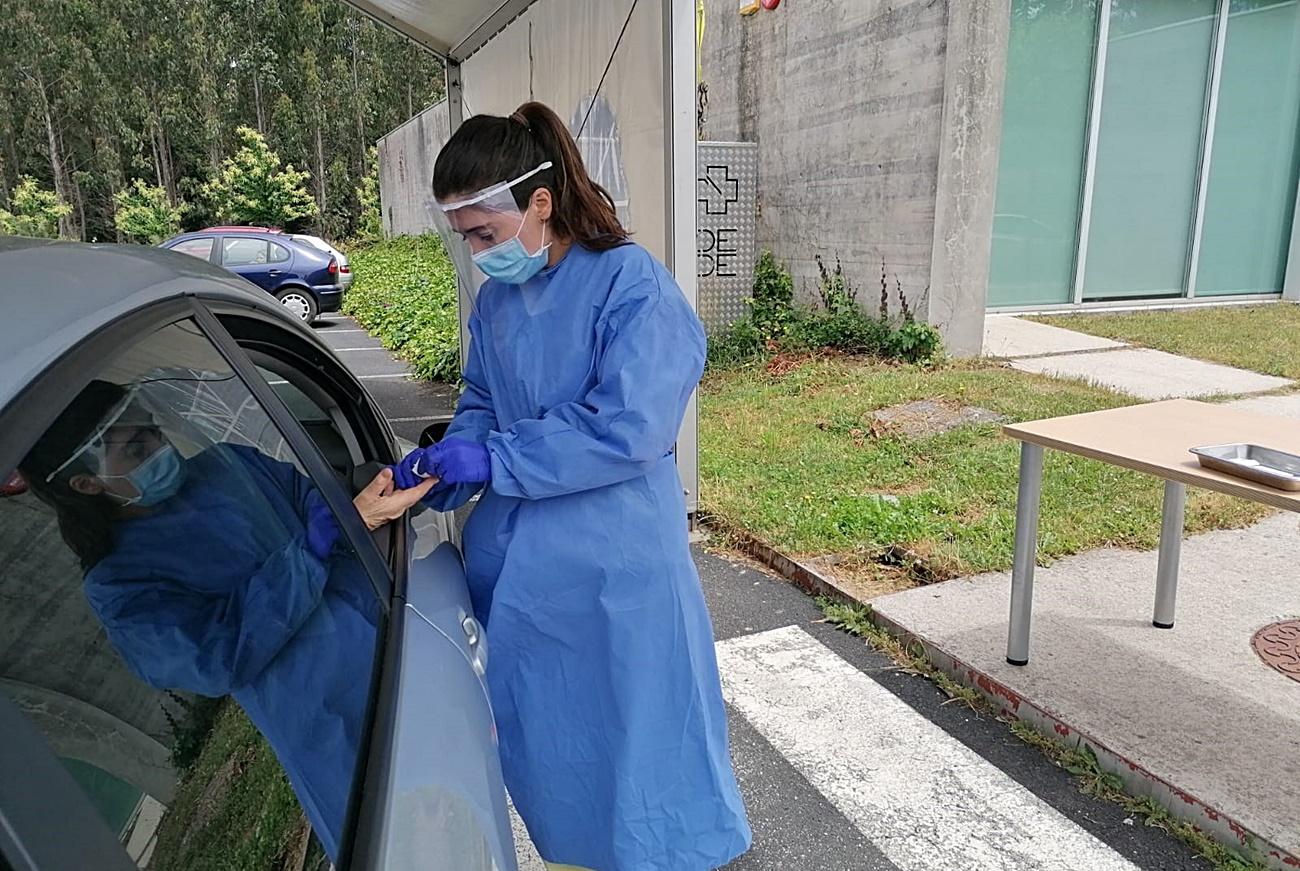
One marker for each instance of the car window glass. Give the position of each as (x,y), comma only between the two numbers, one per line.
(279,253)
(183,621)
(200,248)
(243,252)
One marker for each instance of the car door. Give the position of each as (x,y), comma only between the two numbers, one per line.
(120,649)
(249,256)
(433,776)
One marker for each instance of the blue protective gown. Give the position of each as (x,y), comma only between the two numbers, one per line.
(216,593)
(602,670)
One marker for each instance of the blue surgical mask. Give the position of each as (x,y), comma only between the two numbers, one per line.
(510,262)
(157,479)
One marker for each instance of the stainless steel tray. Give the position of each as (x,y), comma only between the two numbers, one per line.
(1264,465)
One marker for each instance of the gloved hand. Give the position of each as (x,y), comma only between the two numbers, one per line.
(322,528)
(414,468)
(460,461)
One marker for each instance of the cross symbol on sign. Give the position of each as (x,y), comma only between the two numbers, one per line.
(717,189)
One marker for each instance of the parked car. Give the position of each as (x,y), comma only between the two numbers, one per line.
(345,266)
(101,609)
(303,277)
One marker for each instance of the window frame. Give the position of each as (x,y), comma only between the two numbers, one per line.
(272,246)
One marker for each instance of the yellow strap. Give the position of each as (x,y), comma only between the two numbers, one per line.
(699,41)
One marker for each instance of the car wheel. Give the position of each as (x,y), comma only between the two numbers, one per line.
(300,302)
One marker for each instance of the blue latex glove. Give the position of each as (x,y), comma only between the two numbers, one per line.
(322,529)
(459,461)
(414,468)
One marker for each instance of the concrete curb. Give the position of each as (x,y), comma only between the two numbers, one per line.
(1137,780)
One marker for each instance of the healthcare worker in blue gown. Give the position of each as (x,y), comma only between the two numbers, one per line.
(222,574)
(584,353)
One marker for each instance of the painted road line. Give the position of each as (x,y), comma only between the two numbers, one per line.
(924,798)
(418,419)
(375,377)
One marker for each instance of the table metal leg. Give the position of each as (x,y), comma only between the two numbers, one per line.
(1026,555)
(1171,549)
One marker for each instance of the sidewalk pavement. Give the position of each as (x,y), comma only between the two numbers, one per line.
(1140,372)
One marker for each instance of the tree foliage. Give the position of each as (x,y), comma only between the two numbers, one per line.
(370,223)
(253,188)
(95,94)
(145,214)
(33,211)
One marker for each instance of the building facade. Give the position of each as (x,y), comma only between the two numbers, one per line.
(1019,154)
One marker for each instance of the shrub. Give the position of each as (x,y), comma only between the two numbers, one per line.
(776,324)
(252,188)
(34,211)
(370,226)
(145,215)
(405,293)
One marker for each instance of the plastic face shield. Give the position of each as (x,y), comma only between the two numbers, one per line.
(474,224)
(131,431)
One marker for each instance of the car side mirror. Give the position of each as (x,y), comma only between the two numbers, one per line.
(434,432)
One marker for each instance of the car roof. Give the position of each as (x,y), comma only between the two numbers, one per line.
(58,293)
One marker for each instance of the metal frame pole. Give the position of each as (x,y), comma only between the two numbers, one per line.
(1207,147)
(456,117)
(1094,137)
(1171,550)
(679,196)
(1026,552)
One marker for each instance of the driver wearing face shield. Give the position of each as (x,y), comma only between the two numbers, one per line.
(221,573)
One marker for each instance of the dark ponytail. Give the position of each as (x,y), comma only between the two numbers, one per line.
(488,149)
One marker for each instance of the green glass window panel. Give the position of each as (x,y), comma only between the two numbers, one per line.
(1250,202)
(115,799)
(1044,137)
(1148,152)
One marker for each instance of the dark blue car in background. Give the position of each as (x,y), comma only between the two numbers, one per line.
(303,277)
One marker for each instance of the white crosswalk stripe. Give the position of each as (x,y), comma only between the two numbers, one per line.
(922,797)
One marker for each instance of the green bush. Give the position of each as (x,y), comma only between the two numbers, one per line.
(34,211)
(404,291)
(776,325)
(253,188)
(145,214)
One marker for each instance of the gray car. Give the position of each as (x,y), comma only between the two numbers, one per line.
(135,593)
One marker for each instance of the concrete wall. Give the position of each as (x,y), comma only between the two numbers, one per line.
(874,140)
(406,157)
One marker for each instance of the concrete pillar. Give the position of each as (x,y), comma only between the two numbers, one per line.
(978,31)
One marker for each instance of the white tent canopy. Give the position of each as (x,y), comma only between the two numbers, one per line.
(628,65)
(452,29)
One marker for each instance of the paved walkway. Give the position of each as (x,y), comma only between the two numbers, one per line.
(1140,372)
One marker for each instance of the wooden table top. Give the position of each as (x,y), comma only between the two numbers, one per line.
(1155,438)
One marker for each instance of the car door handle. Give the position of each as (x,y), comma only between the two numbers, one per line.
(274,272)
(477,641)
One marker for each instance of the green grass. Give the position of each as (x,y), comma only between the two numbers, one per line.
(792,459)
(234,809)
(1263,338)
(404,292)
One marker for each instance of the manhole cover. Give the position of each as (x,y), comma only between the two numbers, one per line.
(1278,644)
